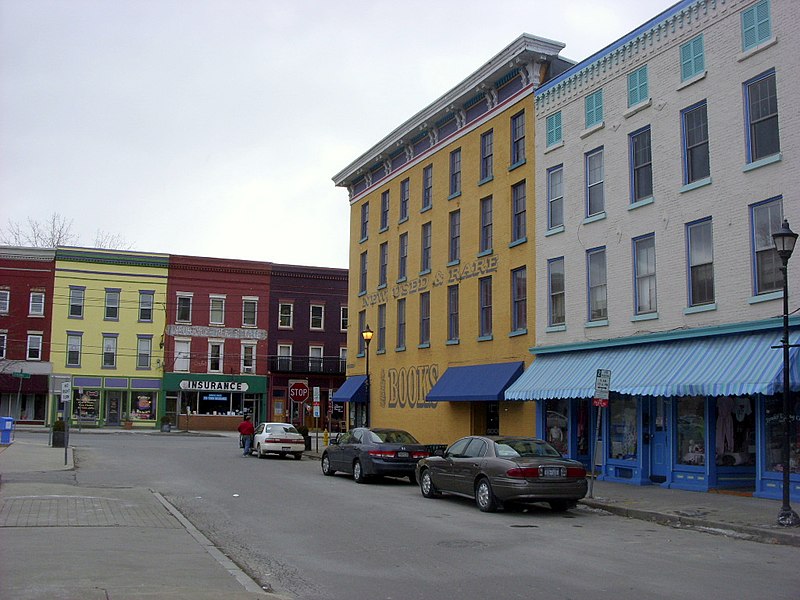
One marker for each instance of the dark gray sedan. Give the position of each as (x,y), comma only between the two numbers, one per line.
(497,471)
(373,452)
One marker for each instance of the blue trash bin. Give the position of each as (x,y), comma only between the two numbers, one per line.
(6,430)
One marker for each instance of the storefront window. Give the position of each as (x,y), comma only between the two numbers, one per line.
(775,435)
(736,431)
(583,428)
(557,412)
(622,419)
(86,405)
(143,405)
(691,431)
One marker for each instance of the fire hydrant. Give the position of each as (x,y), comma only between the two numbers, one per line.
(325,437)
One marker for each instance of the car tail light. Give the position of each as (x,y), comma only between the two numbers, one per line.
(576,472)
(523,472)
(420,454)
(383,453)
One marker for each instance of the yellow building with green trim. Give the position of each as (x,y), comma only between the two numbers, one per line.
(441,257)
(109,314)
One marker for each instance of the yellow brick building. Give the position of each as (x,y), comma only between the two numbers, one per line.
(441,252)
(108,321)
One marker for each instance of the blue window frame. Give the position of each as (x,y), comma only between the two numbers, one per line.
(597,280)
(452,313)
(756,25)
(427,187)
(381,328)
(383,268)
(402,257)
(637,86)
(486,225)
(385,210)
(700,262)
(425,261)
(765,219)
(454,252)
(362,285)
(519,299)
(424,318)
(487,155)
(518,210)
(693,60)
(455,172)
(555,196)
(556,306)
(644,274)
(362,325)
(401,324)
(364,220)
(553,128)
(518,138)
(694,126)
(485,306)
(594,108)
(405,187)
(641,164)
(761,108)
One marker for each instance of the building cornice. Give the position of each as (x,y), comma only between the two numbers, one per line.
(112,257)
(24,253)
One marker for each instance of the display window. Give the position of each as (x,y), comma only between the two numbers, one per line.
(557,419)
(622,429)
(735,432)
(143,405)
(775,435)
(691,434)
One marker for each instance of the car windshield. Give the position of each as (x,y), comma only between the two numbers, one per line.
(511,448)
(391,436)
(281,429)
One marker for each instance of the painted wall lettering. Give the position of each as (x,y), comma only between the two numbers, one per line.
(481,266)
(407,387)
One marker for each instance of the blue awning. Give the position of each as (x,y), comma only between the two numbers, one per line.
(354,389)
(724,365)
(475,383)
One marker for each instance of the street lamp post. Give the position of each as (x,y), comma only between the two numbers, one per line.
(785,240)
(367,336)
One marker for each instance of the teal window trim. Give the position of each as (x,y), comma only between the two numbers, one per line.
(521,240)
(598,217)
(456,195)
(768,160)
(485,253)
(381,286)
(593,106)
(641,203)
(598,323)
(555,328)
(424,345)
(644,317)
(400,349)
(517,164)
(695,184)
(518,333)
(690,310)
(692,58)
(486,180)
(756,25)
(554,231)
(485,338)
(453,263)
(777,295)
(638,86)
(452,343)
(554,129)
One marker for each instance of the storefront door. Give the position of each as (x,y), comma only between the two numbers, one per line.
(659,439)
(113,408)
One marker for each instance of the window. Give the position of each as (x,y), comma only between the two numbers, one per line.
(401,323)
(249,312)
(487,155)
(598,302)
(485,306)
(284,357)
(184,311)
(637,86)
(285,315)
(425,263)
(692,58)
(452,313)
(381,328)
(76,296)
(36,304)
(553,129)
(146,305)
(766,219)
(518,209)
(555,290)
(109,351)
(701,262)
(248,358)
(595,202)
(756,25)
(364,220)
(34,346)
(593,105)
(555,197)
(519,299)
(383,267)
(182,355)
(455,172)
(3,343)
(217,313)
(343,359)
(5,298)
(424,318)
(343,318)
(385,210)
(427,187)
(112,305)
(486,225)
(362,280)
(518,138)
(404,194)
(402,257)
(696,165)
(74,343)
(761,102)
(454,250)
(315,359)
(215,355)
(317,317)
(362,325)
(644,266)
(641,165)
(144,349)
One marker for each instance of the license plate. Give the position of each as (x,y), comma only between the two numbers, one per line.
(286,448)
(402,454)
(551,472)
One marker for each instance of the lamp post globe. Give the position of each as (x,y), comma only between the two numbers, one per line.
(366,335)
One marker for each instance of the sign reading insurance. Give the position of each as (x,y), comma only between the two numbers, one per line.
(214,386)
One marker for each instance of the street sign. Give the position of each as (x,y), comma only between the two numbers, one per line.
(298,391)
(316,401)
(21,375)
(66,390)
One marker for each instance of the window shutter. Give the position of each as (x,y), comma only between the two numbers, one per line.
(749,28)
(687,61)
(763,29)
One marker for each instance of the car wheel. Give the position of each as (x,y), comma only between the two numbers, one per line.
(484,496)
(426,485)
(298,455)
(326,466)
(561,505)
(258,451)
(358,473)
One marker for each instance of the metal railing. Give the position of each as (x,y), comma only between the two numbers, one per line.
(330,365)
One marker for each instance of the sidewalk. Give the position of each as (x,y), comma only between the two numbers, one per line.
(64,541)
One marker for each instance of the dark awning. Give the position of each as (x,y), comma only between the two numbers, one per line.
(475,383)
(354,389)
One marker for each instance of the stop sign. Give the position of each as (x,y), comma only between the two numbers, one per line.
(298,391)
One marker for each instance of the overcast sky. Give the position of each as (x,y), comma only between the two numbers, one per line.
(213,128)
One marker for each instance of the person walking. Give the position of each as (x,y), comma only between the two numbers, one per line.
(247,431)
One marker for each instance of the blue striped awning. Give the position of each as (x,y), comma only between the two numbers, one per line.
(725,365)
(475,383)
(354,389)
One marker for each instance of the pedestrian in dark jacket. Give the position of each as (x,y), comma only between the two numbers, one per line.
(247,431)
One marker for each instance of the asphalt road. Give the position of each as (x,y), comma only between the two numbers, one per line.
(327,538)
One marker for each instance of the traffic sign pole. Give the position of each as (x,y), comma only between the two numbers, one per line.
(602,383)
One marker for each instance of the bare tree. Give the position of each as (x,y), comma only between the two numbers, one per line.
(54,231)
(111,241)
